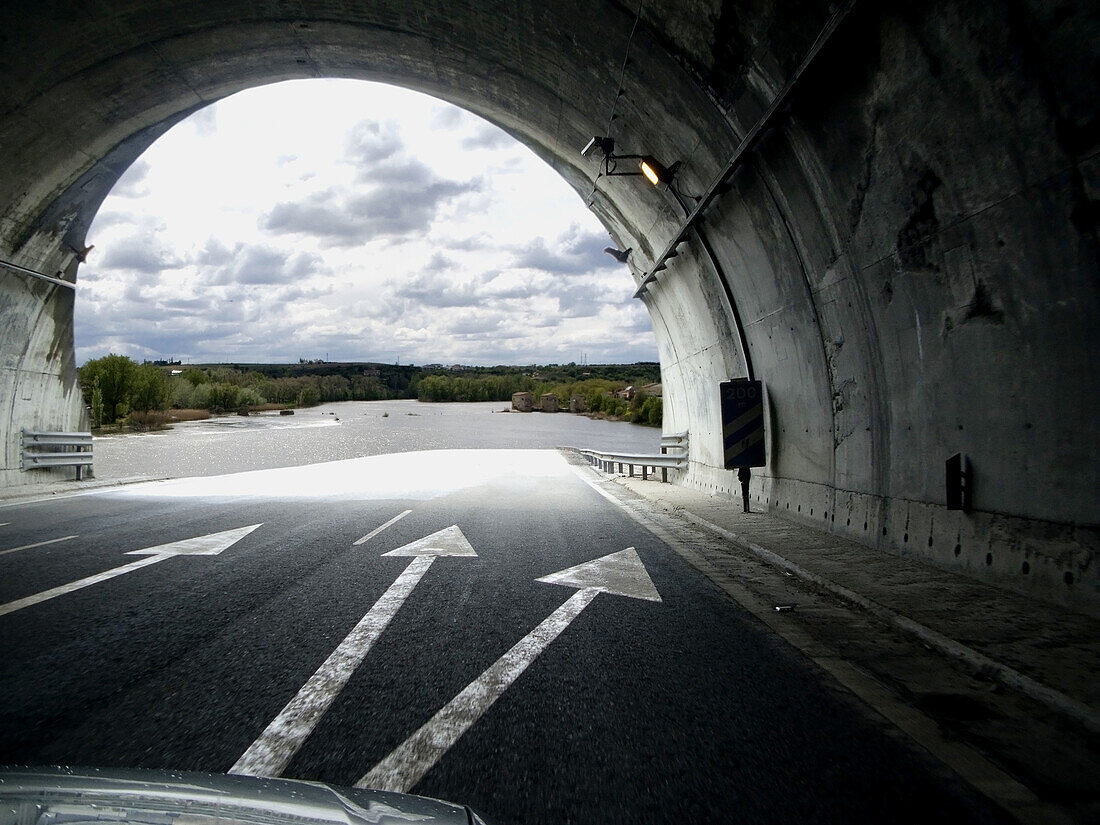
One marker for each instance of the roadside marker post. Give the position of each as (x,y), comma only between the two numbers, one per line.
(743,442)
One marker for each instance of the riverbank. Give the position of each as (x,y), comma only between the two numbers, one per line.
(349,429)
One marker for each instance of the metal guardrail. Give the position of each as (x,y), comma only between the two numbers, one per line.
(608,461)
(664,462)
(47,449)
(674,441)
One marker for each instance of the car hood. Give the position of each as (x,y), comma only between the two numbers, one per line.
(82,796)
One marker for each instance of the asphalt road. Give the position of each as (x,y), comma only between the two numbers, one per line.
(637,710)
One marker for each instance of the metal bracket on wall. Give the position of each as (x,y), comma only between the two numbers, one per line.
(22,270)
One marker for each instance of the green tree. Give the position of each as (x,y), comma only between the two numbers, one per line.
(194,376)
(435,388)
(334,388)
(649,412)
(224,396)
(149,388)
(251,398)
(115,375)
(308,395)
(97,403)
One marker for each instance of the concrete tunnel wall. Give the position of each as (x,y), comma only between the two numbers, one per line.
(912,250)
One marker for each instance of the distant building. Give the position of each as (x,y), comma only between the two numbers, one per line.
(523,402)
(576,404)
(549,403)
(653,390)
(627,394)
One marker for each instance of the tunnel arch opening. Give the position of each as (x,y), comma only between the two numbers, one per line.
(313,217)
(909,246)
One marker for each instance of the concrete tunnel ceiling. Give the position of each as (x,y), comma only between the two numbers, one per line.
(908,253)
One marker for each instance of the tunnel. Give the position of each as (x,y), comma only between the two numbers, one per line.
(883,212)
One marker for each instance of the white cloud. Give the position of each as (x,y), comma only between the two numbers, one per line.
(204,122)
(290,221)
(260,265)
(132,182)
(487,136)
(143,253)
(371,142)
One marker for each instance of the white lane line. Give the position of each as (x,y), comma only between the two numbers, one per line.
(4,523)
(46,595)
(36,544)
(380,528)
(408,763)
(209,545)
(276,746)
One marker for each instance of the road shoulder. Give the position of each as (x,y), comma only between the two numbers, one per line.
(943,658)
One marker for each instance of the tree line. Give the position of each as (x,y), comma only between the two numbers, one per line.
(118,390)
(116,387)
(601,396)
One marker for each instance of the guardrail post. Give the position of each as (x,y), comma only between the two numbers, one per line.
(607,462)
(68,450)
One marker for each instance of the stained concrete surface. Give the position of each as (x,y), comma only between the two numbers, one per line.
(911,249)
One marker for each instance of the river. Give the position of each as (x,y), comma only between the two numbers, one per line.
(349,429)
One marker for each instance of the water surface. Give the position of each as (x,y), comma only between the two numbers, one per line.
(350,429)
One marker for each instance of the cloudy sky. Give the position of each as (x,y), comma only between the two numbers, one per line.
(351,221)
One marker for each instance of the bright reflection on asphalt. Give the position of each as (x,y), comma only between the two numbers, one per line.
(416,475)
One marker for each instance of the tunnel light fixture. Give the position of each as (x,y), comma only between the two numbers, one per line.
(655,173)
(606,146)
(648,166)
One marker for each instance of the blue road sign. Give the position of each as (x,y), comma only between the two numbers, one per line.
(743,423)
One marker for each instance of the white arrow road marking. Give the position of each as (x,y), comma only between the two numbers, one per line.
(272,751)
(209,545)
(446,542)
(621,574)
(36,544)
(380,528)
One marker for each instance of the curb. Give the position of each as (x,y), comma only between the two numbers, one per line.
(30,493)
(1008,676)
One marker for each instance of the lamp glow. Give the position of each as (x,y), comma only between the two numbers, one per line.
(650,173)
